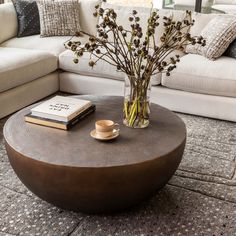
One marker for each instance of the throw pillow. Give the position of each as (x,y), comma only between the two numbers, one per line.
(59,18)
(219,33)
(27,16)
(231,51)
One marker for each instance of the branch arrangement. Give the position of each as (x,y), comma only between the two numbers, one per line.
(136,53)
(133,51)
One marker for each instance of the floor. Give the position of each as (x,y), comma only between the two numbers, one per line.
(200,199)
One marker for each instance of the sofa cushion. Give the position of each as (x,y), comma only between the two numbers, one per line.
(8,22)
(230,9)
(87,21)
(19,66)
(201,20)
(101,69)
(218,33)
(53,45)
(197,74)
(124,12)
(58,18)
(27,16)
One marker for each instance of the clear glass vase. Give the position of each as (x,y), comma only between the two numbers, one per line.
(136,102)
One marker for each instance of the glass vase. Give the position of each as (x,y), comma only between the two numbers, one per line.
(136,102)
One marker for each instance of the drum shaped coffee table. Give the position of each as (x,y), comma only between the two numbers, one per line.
(73,171)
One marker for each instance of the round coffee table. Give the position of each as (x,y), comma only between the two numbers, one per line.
(76,172)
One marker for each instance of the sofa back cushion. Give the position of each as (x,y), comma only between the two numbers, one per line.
(225,2)
(27,16)
(124,12)
(87,21)
(59,18)
(8,22)
(219,33)
(201,20)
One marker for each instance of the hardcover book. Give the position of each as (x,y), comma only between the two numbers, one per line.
(60,108)
(59,124)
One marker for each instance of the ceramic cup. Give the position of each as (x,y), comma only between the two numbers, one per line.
(106,128)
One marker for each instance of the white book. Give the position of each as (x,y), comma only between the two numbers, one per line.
(61,108)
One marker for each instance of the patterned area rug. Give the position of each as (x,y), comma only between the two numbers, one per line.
(209,162)
(200,199)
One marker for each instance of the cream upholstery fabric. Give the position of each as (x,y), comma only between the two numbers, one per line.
(53,45)
(58,18)
(124,12)
(230,9)
(101,69)
(19,66)
(199,75)
(201,20)
(83,84)
(218,107)
(196,75)
(87,21)
(8,22)
(24,95)
(229,2)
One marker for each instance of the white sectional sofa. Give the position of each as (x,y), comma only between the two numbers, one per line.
(32,68)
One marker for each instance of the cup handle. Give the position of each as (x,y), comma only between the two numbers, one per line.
(116,127)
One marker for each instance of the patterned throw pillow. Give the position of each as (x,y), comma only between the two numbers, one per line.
(27,16)
(231,50)
(59,17)
(219,33)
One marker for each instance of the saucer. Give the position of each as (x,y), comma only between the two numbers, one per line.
(94,135)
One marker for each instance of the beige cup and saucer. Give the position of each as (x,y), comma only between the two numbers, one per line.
(105,130)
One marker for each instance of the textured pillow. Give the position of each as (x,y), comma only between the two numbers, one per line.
(231,51)
(219,33)
(59,18)
(27,16)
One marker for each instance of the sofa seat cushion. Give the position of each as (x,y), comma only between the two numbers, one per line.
(19,66)
(101,69)
(53,45)
(197,74)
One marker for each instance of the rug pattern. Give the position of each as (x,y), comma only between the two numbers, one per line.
(200,199)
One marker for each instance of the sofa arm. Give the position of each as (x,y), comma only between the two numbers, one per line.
(8,22)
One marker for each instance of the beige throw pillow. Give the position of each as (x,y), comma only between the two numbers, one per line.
(219,33)
(58,18)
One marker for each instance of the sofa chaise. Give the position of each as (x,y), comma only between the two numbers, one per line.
(32,68)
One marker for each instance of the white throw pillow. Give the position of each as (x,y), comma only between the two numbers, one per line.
(219,33)
(58,18)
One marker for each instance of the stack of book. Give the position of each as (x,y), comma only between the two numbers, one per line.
(60,112)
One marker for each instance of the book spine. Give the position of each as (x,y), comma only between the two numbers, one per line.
(78,119)
(72,116)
